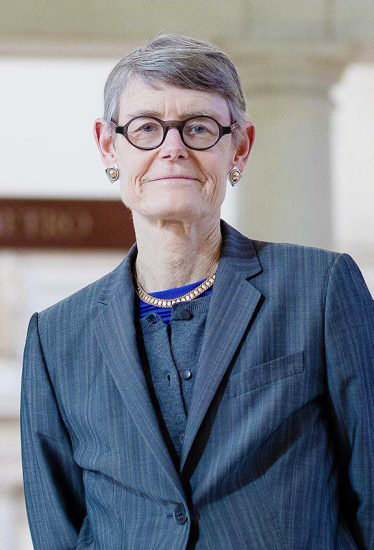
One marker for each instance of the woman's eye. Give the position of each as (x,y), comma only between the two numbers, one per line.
(198,129)
(147,128)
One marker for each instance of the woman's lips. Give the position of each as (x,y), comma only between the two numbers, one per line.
(174,178)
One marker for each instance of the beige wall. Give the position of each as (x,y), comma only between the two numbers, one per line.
(259,20)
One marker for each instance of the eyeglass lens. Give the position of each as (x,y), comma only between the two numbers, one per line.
(199,132)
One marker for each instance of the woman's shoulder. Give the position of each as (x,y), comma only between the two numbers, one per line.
(298,263)
(272,251)
(84,302)
(297,270)
(291,252)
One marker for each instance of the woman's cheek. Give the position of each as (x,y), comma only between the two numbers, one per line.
(128,193)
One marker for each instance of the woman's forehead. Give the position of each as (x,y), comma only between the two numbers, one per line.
(140,98)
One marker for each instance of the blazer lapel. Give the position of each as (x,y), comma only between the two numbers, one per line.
(232,306)
(116,335)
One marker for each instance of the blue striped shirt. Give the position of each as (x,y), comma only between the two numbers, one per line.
(144,309)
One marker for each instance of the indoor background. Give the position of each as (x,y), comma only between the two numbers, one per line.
(307,68)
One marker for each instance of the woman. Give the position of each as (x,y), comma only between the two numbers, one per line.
(272,445)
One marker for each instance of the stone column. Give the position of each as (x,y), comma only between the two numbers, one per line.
(285,193)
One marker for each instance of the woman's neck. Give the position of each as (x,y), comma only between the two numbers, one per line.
(174,253)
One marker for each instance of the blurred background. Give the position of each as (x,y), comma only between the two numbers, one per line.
(307,69)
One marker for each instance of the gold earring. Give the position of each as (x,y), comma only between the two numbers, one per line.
(113,173)
(234,175)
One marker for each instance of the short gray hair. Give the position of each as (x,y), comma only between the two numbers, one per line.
(180,61)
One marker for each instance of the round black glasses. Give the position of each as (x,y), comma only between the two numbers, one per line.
(199,132)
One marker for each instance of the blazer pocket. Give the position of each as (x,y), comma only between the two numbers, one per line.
(260,375)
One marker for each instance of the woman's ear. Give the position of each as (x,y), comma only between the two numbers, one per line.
(103,135)
(241,153)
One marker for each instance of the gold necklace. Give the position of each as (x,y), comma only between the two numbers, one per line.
(185,298)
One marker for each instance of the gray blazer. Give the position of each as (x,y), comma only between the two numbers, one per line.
(279,443)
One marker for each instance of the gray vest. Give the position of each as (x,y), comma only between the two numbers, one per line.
(170,355)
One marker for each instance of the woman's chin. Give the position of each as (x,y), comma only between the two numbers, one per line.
(169,211)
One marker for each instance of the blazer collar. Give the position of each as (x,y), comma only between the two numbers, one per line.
(238,255)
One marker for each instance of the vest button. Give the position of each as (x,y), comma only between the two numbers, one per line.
(186,374)
(186,315)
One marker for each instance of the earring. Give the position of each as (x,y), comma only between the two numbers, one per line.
(113,173)
(234,176)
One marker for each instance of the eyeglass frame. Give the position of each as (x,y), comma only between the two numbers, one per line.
(179,125)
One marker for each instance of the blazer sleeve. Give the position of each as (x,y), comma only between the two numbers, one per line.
(53,485)
(349,346)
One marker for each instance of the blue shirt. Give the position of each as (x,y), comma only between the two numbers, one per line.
(144,309)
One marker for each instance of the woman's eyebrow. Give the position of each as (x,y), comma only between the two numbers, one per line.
(185,114)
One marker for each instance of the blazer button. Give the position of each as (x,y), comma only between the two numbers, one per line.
(186,374)
(180,514)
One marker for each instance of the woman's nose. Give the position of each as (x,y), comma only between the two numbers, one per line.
(173,146)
